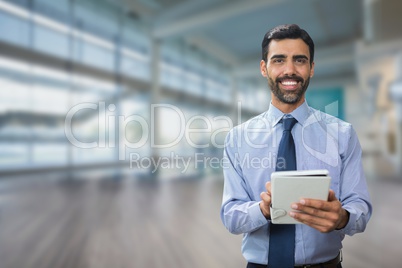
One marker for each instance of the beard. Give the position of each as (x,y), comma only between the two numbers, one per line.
(291,97)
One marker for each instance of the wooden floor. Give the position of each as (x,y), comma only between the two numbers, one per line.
(118,223)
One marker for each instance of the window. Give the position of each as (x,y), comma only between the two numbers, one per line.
(135,64)
(93,54)
(19,35)
(51,42)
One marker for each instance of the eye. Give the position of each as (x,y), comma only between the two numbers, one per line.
(278,60)
(301,61)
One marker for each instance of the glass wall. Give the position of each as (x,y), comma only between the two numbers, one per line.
(80,93)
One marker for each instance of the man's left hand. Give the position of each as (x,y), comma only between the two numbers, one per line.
(325,216)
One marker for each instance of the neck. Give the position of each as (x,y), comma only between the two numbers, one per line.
(286,108)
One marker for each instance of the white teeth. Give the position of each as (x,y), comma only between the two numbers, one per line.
(289,83)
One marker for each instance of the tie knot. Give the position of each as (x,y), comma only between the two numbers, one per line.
(288,123)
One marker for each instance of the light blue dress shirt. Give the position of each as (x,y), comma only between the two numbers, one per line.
(322,142)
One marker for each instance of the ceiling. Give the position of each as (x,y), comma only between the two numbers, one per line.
(232,30)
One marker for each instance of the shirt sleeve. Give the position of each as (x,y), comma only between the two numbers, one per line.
(354,194)
(239,213)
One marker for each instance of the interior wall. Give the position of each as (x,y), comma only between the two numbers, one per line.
(377,115)
(386,20)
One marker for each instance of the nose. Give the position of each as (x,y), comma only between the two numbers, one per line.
(289,68)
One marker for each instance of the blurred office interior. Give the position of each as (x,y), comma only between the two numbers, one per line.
(113,115)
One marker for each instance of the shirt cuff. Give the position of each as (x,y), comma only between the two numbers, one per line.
(350,226)
(256,214)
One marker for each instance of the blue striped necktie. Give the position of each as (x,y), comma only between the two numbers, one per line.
(282,236)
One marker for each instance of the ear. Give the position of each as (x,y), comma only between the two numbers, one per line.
(312,70)
(263,68)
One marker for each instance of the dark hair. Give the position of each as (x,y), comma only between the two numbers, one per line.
(287,31)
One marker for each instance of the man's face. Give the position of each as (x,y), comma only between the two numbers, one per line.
(288,70)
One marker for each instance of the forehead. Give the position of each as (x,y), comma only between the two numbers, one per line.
(288,47)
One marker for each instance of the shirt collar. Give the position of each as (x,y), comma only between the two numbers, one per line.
(301,113)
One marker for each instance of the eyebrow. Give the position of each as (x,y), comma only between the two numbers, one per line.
(282,56)
(278,56)
(296,57)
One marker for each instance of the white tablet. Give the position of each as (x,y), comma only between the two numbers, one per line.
(289,187)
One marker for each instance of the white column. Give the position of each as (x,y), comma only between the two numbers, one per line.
(155,99)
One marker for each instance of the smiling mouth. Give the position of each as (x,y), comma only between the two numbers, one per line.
(289,83)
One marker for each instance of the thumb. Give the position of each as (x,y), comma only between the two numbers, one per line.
(331,196)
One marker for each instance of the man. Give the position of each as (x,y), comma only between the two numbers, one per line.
(320,141)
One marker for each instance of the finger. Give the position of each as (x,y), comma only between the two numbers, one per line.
(323,228)
(331,196)
(265,204)
(311,211)
(268,187)
(266,198)
(318,223)
(312,214)
(314,203)
(306,218)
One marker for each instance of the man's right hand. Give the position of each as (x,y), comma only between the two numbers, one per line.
(266,201)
